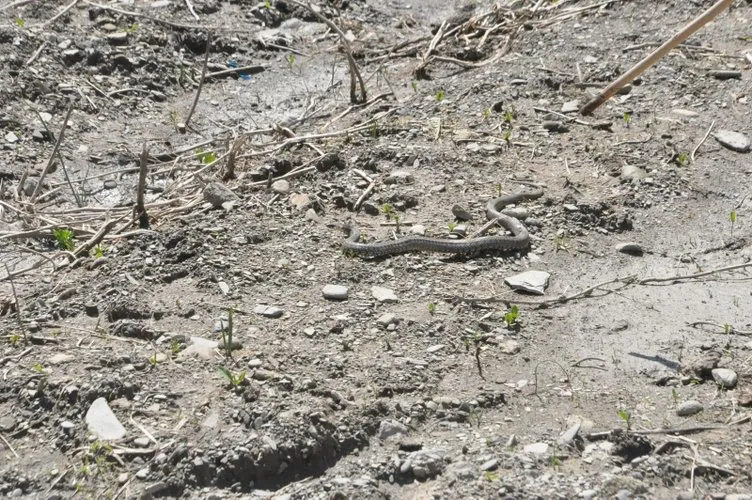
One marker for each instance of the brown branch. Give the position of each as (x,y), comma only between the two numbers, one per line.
(203,78)
(140,209)
(51,161)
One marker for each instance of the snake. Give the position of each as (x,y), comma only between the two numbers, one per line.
(518,240)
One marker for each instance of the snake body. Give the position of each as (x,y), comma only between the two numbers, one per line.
(519,239)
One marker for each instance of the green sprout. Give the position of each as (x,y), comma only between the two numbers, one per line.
(732,217)
(627,117)
(64,238)
(440,95)
(507,136)
(487,113)
(682,159)
(727,328)
(508,116)
(20,22)
(174,346)
(626,415)
(511,317)
(98,251)
(14,339)
(132,28)
(291,59)
(491,476)
(267,5)
(153,359)
(452,226)
(205,157)
(235,379)
(388,210)
(414,85)
(675,395)
(38,367)
(431,308)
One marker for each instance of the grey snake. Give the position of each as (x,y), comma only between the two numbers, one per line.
(519,239)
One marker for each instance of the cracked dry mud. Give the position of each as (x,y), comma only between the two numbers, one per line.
(401,377)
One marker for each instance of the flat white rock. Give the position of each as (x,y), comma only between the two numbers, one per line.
(530,281)
(102,422)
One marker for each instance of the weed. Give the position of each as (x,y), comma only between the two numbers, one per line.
(561,242)
(387,210)
(440,95)
(732,217)
(727,329)
(507,136)
(627,117)
(235,379)
(675,395)
(487,113)
(14,339)
(511,317)
(626,416)
(508,116)
(153,359)
(555,461)
(20,22)
(414,85)
(498,189)
(98,251)
(490,476)
(205,157)
(431,308)
(291,59)
(38,367)
(452,226)
(475,416)
(174,346)
(132,28)
(682,159)
(64,238)
(267,4)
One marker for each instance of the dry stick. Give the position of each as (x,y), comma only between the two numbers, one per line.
(251,70)
(140,209)
(98,236)
(655,56)
(18,305)
(694,276)
(154,19)
(15,4)
(363,196)
(9,446)
(354,71)
(54,153)
(725,329)
(421,69)
(36,53)
(203,77)
(190,8)
(62,12)
(692,155)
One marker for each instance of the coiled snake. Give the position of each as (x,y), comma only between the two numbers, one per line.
(519,239)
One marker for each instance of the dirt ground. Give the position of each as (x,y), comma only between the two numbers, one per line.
(227,347)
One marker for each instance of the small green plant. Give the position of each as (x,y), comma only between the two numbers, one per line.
(205,157)
(675,395)
(235,379)
(498,189)
(440,95)
(732,218)
(64,238)
(20,22)
(555,460)
(452,226)
(682,159)
(291,59)
(388,210)
(153,359)
(174,346)
(414,85)
(38,367)
(174,117)
(132,28)
(626,416)
(491,476)
(507,136)
(431,308)
(511,317)
(98,251)
(14,339)
(508,116)
(727,328)
(373,130)
(267,5)
(627,117)
(487,113)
